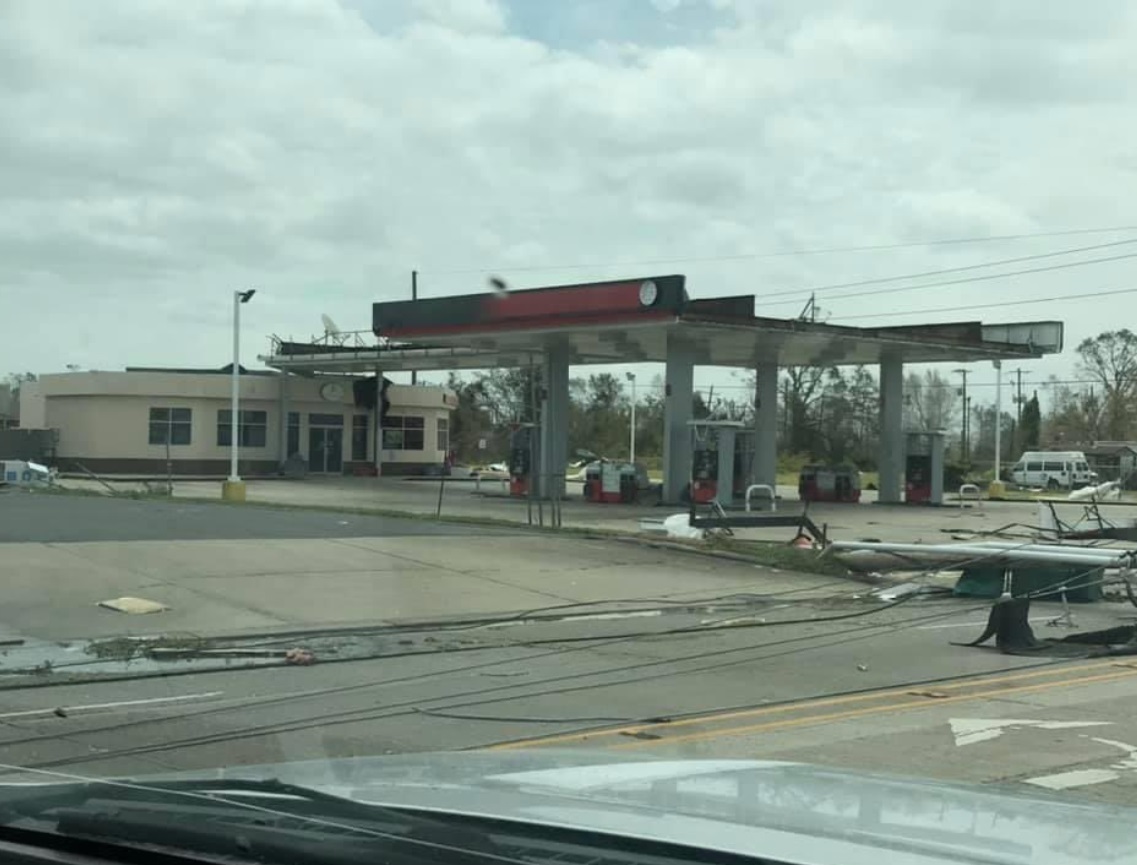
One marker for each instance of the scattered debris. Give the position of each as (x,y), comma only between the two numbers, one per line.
(639,734)
(59,712)
(133,606)
(863,667)
(299,657)
(679,526)
(1092,525)
(935,695)
(23,473)
(865,556)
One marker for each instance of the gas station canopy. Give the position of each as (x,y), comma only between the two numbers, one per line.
(634,321)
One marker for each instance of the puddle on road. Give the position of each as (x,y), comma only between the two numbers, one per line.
(33,661)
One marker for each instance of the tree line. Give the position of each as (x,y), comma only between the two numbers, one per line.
(825,414)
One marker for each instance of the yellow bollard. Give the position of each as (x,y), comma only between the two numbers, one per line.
(233,491)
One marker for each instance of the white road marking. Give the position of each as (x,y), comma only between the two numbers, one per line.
(969,731)
(1078,778)
(1130,761)
(1086,777)
(153,701)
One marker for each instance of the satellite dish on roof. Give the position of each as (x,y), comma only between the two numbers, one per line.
(499,286)
(331,331)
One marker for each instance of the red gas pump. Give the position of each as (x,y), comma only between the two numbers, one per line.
(610,482)
(704,471)
(520,460)
(924,468)
(718,446)
(817,483)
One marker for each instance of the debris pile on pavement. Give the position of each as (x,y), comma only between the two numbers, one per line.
(299,657)
(133,606)
(1009,624)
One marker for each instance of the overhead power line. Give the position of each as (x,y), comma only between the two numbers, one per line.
(750,256)
(974,306)
(982,278)
(806,292)
(946,385)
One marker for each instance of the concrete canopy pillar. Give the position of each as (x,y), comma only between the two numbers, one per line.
(765,466)
(891,460)
(554,419)
(679,393)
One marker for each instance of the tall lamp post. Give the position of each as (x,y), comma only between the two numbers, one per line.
(234,489)
(631,376)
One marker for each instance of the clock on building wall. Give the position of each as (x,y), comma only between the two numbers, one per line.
(332,391)
(649,293)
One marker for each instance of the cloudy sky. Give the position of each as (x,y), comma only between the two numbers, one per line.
(157,154)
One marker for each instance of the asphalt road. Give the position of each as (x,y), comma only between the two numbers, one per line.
(852,693)
(887,690)
(47,518)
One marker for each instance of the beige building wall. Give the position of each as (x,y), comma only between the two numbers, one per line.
(103,419)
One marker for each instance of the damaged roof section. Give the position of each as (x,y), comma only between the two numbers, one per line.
(634,321)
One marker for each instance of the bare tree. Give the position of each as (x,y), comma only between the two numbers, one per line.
(929,401)
(1110,359)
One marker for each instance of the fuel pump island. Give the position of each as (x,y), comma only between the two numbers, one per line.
(654,320)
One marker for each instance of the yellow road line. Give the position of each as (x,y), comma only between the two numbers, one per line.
(790,723)
(978,679)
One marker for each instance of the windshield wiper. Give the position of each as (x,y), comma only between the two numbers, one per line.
(258,820)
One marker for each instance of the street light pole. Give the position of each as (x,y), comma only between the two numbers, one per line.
(631,376)
(239,298)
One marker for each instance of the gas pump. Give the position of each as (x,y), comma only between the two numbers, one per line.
(521,460)
(720,449)
(924,468)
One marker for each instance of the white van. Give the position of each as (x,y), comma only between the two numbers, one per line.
(1053,470)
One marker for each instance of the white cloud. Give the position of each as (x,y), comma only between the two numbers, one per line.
(158,153)
(463,15)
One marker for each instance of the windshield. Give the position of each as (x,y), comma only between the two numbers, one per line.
(633,379)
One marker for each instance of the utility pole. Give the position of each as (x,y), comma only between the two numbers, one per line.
(1017,439)
(965,431)
(998,364)
(414,296)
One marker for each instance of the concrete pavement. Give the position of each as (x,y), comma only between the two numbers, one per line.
(227,570)
(462,500)
(816,675)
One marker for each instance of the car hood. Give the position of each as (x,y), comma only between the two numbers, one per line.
(786,811)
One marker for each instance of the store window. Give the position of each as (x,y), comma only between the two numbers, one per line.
(404,433)
(252,429)
(173,426)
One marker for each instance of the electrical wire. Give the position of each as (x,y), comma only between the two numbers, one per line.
(806,292)
(963,279)
(413,706)
(827,250)
(606,640)
(901,277)
(944,385)
(974,306)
